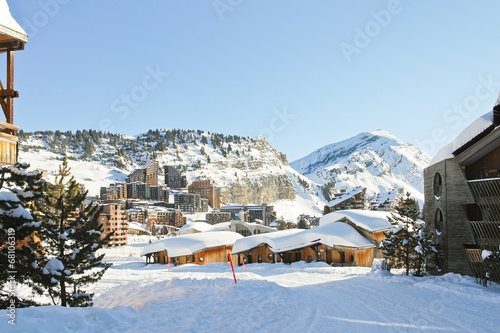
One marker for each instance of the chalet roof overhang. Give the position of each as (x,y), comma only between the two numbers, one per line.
(11,40)
(480,149)
(332,246)
(187,253)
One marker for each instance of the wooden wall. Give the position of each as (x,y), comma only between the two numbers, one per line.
(220,254)
(361,257)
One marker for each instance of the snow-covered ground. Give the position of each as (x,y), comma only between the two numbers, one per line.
(133,297)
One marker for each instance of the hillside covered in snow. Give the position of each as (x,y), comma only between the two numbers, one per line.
(248,170)
(376,160)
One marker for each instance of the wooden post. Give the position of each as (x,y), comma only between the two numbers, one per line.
(169,264)
(10,86)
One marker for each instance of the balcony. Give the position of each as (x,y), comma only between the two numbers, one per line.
(486,194)
(8,144)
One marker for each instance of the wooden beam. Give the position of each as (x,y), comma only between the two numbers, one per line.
(9,112)
(10,70)
(8,136)
(9,93)
(9,126)
(9,46)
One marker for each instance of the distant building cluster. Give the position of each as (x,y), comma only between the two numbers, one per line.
(356,199)
(145,183)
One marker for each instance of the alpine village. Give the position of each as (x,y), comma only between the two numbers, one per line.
(164,221)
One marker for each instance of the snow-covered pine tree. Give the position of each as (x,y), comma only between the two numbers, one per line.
(71,235)
(425,246)
(491,260)
(18,232)
(406,244)
(303,223)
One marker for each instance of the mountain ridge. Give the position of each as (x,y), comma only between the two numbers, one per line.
(376,160)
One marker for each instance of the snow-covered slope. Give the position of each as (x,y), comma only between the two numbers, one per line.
(248,170)
(376,160)
(315,297)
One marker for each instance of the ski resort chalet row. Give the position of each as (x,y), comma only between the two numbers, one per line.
(349,237)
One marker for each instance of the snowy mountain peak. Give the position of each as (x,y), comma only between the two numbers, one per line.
(376,160)
(384,133)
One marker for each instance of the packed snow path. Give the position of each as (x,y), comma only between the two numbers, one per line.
(133,297)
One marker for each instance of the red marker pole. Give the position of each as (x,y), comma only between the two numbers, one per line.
(169,264)
(232,268)
(243,259)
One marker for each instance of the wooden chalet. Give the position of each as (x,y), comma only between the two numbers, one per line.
(334,243)
(370,224)
(12,38)
(198,248)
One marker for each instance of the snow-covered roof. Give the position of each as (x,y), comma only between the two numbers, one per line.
(368,220)
(470,132)
(333,234)
(345,196)
(252,242)
(8,26)
(137,226)
(385,197)
(195,226)
(190,244)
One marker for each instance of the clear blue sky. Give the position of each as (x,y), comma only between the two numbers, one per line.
(302,73)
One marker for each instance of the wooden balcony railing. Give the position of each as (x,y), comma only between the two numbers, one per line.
(8,143)
(486,193)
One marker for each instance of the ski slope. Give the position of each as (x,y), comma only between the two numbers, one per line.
(133,297)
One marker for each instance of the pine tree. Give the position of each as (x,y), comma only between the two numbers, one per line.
(18,245)
(72,235)
(406,244)
(303,223)
(282,224)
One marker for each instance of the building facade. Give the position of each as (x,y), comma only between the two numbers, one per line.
(116,191)
(206,189)
(354,199)
(462,191)
(173,178)
(114,219)
(217,217)
(190,203)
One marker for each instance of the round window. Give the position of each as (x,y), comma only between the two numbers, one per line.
(201,259)
(270,256)
(351,258)
(438,185)
(309,259)
(438,220)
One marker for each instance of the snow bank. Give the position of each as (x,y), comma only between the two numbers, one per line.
(314,297)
